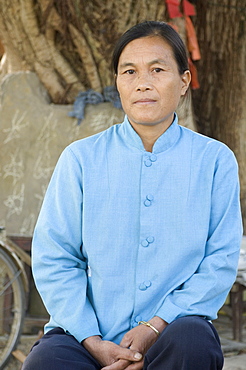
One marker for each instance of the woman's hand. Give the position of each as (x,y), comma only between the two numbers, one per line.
(130,353)
(111,355)
(138,339)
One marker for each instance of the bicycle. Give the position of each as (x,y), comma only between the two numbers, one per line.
(13,288)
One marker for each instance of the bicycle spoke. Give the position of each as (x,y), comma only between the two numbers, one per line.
(11,306)
(10,283)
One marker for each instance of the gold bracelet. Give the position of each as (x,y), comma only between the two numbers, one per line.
(146,323)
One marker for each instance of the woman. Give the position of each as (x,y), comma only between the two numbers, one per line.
(137,242)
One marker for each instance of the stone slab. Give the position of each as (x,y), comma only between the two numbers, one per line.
(33,134)
(235,362)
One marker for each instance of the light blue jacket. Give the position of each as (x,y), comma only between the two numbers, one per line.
(124,235)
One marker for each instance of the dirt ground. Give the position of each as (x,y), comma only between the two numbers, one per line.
(24,346)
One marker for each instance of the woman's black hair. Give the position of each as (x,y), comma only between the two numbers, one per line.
(153,28)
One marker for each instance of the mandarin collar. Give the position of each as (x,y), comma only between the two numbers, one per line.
(164,142)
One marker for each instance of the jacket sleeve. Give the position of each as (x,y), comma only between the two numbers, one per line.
(59,267)
(206,290)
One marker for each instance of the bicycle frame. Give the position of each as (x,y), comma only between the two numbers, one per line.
(17,255)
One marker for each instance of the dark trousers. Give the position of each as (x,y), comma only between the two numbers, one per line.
(188,343)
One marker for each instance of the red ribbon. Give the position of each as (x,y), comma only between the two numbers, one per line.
(194,76)
(173,9)
(192,40)
(188,8)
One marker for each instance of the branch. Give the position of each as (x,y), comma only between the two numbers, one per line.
(87,58)
(63,67)
(45,62)
(103,64)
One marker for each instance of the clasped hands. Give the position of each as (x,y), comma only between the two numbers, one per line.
(129,354)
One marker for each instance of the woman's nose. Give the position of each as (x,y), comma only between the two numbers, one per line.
(143,83)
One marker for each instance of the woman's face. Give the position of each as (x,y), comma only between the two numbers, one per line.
(149,82)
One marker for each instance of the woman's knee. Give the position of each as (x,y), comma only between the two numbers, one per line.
(57,350)
(186,343)
(191,332)
(41,354)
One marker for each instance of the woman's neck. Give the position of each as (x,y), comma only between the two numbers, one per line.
(149,134)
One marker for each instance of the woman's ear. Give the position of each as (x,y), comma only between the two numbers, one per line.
(115,80)
(185,78)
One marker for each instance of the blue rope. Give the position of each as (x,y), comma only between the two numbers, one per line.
(110,94)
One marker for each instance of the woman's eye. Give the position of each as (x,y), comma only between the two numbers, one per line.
(130,71)
(158,70)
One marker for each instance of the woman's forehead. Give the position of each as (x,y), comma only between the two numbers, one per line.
(150,49)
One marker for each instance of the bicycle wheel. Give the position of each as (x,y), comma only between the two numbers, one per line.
(12,303)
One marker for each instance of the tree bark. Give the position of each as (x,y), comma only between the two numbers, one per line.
(68,44)
(220,104)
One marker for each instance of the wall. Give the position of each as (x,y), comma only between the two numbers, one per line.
(33,133)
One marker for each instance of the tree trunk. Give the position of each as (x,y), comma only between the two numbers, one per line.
(67,43)
(220,104)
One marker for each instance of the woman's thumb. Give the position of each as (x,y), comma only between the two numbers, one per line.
(137,356)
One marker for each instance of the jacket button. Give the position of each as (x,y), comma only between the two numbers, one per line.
(148,163)
(147,283)
(145,243)
(150,197)
(138,318)
(150,239)
(142,286)
(147,203)
(153,157)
